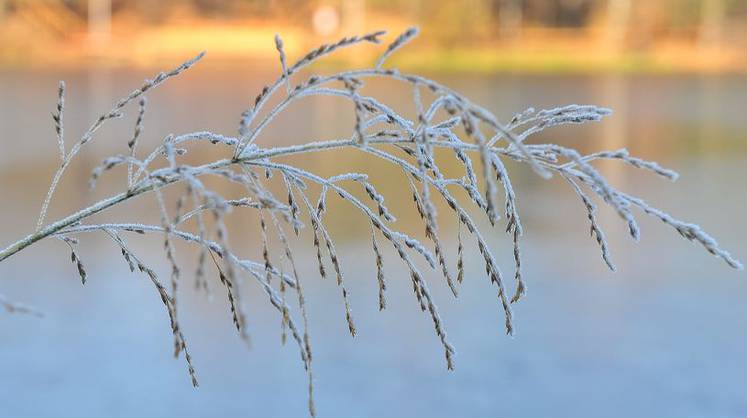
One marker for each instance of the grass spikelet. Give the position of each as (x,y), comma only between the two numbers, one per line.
(283,64)
(168,244)
(297,278)
(175,327)
(352,85)
(491,268)
(513,224)
(687,230)
(400,41)
(228,272)
(75,259)
(470,175)
(425,299)
(247,134)
(327,49)
(594,229)
(321,204)
(105,165)
(318,247)
(292,203)
(168,302)
(200,280)
(431,232)
(623,155)
(115,112)
(490,187)
(129,258)
(285,314)
(58,117)
(460,255)
(379,270)
(329,243)
(520,286)
(237,320)
(132,143)
(602,188)
(265,249)
(379,199)
(304,313)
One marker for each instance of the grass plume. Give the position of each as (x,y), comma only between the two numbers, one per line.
(449,121)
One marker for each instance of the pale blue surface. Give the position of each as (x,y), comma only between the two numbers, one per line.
(664,337)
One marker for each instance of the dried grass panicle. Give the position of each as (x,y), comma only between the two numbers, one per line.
(293,205)
(221,247)
(469,124)
(389,233)
(75,258)
(132,143)
(468,131)
(237,321)
(688,230)
(168,244)
(318,247)
(594,229)
(471,185)
(321,204)
(301,297)
(531,118)
(425,300)
(427,213)
(400,41)
(106,165)
(200,279)
(115,112)
(305,317)
(132,261)
(265,249)
(624,155)
(379,199)
(318,226)
(352,85)
(492,269)
(175,327)
(283,64)
(513,223)
(460,255)
(247,116)
(326,49)
(601,187)
(284,316)
(168,301)
(547,118)
(58,117)
(379,270)
(286,321)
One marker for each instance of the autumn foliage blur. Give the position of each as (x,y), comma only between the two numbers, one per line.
(474,35)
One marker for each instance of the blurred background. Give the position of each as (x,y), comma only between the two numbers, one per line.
(664,336)
(536,35)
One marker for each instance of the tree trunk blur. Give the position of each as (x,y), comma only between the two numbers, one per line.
(99,20)
(713,14)
(510,14)
(618,18)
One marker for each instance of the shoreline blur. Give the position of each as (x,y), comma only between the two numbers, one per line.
(484,36)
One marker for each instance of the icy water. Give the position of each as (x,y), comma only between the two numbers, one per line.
(664,336)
